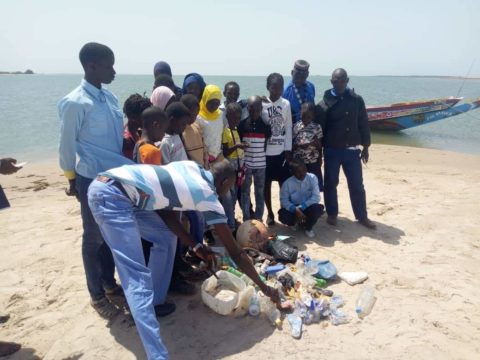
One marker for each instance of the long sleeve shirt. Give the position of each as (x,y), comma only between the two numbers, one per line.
(298,96)
(299,193)
(92,129)
(279,116)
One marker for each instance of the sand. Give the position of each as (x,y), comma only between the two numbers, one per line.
(423,261)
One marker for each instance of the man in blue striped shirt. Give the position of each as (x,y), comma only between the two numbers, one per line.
(91,131)
(123,202)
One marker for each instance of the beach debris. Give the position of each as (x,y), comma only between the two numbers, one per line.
(353,277)
(365,301)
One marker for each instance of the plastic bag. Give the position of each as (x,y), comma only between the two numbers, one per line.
(282,251)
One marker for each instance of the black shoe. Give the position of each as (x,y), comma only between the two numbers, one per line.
(165,309)
(181,286)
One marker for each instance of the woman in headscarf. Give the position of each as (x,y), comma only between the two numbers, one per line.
(162,96)
(194,84)
(210,121)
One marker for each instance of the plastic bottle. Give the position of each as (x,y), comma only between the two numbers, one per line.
(365,301)
(270,310)
(243,276)
(310,315)
(300,308)
(254,307)
(320,283)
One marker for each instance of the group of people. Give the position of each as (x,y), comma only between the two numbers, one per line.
(153,189)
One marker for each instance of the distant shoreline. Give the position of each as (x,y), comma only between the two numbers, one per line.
(445,77)
(26,72)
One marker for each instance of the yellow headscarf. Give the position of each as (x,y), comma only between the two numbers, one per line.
(210,92)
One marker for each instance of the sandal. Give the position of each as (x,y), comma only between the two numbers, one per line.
(105,308)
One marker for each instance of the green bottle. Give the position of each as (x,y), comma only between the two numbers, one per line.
(320,283)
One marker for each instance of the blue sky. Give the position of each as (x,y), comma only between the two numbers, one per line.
(250,37)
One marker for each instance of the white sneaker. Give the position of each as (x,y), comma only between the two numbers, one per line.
(310,233)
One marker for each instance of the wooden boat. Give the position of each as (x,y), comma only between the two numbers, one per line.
(402,116)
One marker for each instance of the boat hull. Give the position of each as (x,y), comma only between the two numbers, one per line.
(408,121)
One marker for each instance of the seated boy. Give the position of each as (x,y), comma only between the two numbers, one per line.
(299,198)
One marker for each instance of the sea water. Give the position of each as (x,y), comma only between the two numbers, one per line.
(29,124)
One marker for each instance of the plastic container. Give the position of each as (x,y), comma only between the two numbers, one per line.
(254,307)
(365,301)
(222,294)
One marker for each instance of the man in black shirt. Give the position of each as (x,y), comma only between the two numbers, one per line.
(343,116)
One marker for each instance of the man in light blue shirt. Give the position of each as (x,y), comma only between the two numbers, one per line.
(91,142)
(300,198)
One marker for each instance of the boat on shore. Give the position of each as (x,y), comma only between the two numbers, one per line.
(406,115)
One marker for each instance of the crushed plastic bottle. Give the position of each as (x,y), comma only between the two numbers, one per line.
(300,308)
(365,301)
(270,310)
(254,307)
(295,325)
(336,301)
(310,316)
(338,317)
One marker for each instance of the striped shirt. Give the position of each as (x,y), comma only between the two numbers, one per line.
(255,134)
(179,186)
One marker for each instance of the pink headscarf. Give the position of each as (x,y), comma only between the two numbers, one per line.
(161,96)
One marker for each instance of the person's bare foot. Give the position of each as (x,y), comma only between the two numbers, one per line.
(368,223)
(331,220)
(8,348)
(105,308)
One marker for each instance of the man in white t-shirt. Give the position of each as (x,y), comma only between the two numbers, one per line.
(276,113)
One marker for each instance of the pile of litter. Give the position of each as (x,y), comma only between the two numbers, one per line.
(301,283)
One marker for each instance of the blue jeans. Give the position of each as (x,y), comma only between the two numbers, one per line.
(123,226)
(258,176)
(97,257)
(228,201)
(350,161)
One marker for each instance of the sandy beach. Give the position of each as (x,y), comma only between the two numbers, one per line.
(423,261)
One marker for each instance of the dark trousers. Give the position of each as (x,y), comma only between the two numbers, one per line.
(316,169)
(312,213)
(97,257)
(350,161)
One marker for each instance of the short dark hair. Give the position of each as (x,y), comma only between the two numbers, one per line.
(135,104)
(308,106)
(231,83)
(151,115)
(94,52)
(177,110)
(190,101)
(273,77)
(234,106)
(164,80)
(296,163)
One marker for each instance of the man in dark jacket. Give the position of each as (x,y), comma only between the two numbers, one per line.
(343,116)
